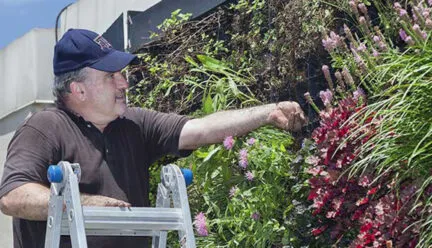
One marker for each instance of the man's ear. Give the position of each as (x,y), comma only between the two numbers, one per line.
(78,91)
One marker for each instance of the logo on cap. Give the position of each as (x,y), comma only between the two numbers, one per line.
(102,42)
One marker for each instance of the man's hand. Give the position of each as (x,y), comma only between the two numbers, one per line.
(288,116)
(102,201)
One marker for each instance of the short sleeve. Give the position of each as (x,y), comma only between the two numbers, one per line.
(161,131)
(28,157)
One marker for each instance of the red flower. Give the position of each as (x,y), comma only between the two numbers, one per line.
(362,201)
(372,191)
(318,231)
(366,227)
(357,214)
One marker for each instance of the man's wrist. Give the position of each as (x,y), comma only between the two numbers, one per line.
(271,109)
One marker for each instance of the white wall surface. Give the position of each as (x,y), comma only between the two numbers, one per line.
(26,70)
(98,15)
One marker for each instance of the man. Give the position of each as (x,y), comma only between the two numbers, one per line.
(113,144)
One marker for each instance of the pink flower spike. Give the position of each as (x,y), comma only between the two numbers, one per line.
(353,6)
(251,141)
(397,6)
(428,23)
(402,12)
(228,142)
(249,176)
(359,94)
(430,2)
(200,224)
(361,47)
(403,34)
(375,53)
(409,40)
(243,158)
(326,97)
(362,8)
(376,39)
(329,44)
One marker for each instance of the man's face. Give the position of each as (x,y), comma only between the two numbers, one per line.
(106,94)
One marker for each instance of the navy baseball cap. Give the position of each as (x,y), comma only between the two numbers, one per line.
(79,48)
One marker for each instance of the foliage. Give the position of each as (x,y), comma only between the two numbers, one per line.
(394,157)
(272,44)
(247,189)
(368,168)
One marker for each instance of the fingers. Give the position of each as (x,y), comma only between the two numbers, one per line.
(111,202)
(292,118)
(103,201)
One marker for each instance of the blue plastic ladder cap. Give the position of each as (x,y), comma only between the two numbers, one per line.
(55,174)
(188,176)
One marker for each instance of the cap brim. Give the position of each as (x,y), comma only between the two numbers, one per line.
(115,61)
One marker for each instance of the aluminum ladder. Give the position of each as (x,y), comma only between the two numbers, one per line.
(81,221)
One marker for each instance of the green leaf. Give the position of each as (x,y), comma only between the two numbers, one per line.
(208,105)
(191,61)
(211,153)
(211,63)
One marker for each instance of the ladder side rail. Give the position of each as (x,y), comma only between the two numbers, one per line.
(74,208)
(162,201)
(180,200)
(55,212)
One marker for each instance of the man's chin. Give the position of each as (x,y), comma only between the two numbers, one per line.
(120,107)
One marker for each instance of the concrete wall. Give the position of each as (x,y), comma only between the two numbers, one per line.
(98,15)
(25,73)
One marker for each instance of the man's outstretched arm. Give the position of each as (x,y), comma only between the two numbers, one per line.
(30,201)
(214,128)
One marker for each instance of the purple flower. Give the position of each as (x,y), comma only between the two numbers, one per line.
(430,2)
(243,158)
(361,47)
(353,6)
(200,224)
(403,34)
(255,216)
(397,5)
(228,142)
(409,41)
(359,93)
(362,8)
(233,191)
(402,12)
(375,53)
(336,39)
(326,97)
(382,46)
(328,44)
(377,39)
(249,176)
(251,141)
(428,23)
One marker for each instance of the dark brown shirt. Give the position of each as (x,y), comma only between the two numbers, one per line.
(113,163)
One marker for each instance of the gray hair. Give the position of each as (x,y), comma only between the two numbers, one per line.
(61,86)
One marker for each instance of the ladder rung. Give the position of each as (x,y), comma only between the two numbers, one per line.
(106,221)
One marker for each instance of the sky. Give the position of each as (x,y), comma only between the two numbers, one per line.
(17,17)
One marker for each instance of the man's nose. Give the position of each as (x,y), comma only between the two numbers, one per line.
(121,81)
